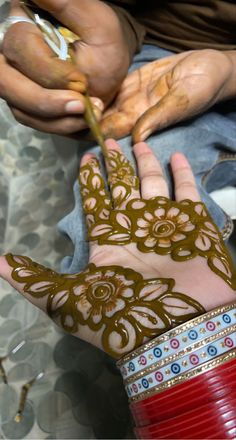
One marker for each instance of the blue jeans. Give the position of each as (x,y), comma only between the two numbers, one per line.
(209,142)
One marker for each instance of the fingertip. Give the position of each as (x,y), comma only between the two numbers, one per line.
(136,137)
(97,103)
(179,160)
(140,148)
(86,158)
(111,144)
(5,270)
(74,107)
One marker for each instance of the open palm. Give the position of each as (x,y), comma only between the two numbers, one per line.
(154,263)
(167,91)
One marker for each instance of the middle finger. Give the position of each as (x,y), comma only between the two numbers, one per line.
(153,183)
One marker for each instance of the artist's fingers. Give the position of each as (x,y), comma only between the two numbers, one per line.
(92,20)
(22,93)
(62,125)
(24,48)
(118,124)
(96,200)
(122,178)
(152,180)
(185,184)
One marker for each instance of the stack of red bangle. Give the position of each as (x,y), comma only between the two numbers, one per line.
(182,385)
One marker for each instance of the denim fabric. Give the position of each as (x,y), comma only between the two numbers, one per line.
(202,139)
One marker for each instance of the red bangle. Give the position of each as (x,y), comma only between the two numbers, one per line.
(199,404)
(213,385)
(216,419)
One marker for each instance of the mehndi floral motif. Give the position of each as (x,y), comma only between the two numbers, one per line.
(111,300)
(96,199)
(121,177)
(183,229)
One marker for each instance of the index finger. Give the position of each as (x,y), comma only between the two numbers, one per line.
(25,49)
(184,180)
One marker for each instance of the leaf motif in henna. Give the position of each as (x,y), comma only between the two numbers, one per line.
(119,238)
(101,229)
(112,300)
(37,279)
(176,305)
(220,264)
(150,290)
(183,230)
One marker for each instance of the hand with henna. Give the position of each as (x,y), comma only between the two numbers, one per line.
(167,91)
(154,263)
(45,92)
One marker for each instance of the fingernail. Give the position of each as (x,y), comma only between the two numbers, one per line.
(144,135)
(74,107)
(98,103)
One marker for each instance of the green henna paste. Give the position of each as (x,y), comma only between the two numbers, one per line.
(115,301)
(184,230)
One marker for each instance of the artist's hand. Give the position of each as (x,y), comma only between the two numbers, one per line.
(46,93)
(164,92)
(154,263)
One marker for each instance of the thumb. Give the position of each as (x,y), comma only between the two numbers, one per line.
(90,20)
(34,281)
(172,108)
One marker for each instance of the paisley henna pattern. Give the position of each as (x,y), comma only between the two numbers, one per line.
(113,300)
(182,229)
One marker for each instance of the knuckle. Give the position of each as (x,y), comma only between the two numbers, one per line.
(45,103)
(152,179)
(188,184)
(11,44)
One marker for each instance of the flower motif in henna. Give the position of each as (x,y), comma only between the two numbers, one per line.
(121,178)
(94,193)
(112,300)
(162,227)
(102,294)
(182,229)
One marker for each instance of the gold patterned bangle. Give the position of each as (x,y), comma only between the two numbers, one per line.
(208,366)
(176,356)
(175,332)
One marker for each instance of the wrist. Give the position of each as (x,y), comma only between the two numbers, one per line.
(190,347)
(184,381)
